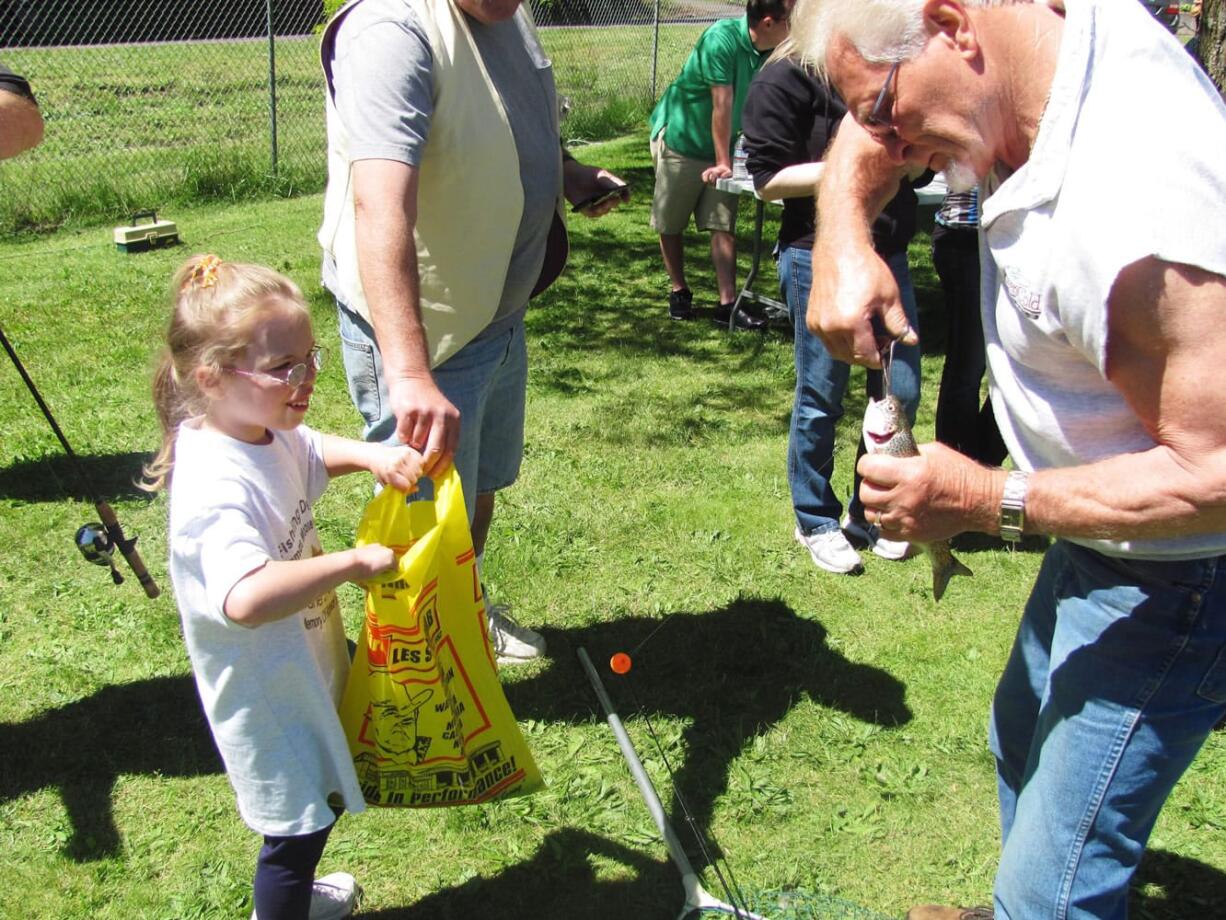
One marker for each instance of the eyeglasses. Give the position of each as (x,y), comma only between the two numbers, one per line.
(293,376)
(881,115)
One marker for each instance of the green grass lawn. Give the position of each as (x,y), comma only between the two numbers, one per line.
(829,730)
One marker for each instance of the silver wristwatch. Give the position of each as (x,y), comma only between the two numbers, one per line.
(1013,506)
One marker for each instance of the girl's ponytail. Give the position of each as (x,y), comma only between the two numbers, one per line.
(169,405)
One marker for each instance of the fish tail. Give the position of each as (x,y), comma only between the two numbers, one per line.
(944,567)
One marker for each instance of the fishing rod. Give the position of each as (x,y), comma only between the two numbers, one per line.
(95,540)
(697,898)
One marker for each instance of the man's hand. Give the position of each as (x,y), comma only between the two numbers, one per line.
(718,171)
(854,304)
(426,421)
(580,182)
(934,496)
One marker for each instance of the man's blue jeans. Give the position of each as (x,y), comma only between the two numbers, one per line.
(1117,676)
(486,380)
(821,382)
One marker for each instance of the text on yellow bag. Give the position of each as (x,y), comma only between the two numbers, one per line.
(426,718)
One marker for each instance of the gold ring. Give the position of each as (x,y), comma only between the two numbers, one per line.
(879,519)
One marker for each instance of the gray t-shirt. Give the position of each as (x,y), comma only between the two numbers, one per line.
(384,92)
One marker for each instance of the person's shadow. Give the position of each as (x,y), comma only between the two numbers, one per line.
(1171,887)
(560,882)
(153,726)
(731,674)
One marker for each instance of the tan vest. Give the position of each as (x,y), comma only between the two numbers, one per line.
(469,196)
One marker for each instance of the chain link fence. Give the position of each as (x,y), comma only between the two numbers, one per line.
(148,102)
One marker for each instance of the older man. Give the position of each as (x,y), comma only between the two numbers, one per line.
(1102,304)
(443,217)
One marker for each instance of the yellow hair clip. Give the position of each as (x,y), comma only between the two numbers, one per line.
(204,275)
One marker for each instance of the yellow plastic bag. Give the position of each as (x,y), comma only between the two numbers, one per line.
(424,713)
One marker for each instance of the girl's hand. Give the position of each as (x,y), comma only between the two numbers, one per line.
(399,467)
(371,560)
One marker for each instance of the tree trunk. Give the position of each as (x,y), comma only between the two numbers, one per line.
(1211,35)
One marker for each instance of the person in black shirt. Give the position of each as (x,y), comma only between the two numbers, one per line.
(21,124)
(788,121)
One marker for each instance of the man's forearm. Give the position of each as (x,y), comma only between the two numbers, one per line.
(796,181)
(387,261)
(721,124)
(857,182)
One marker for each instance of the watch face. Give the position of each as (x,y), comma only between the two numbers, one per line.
(1013,506)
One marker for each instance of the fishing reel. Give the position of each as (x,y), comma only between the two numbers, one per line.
(97,547)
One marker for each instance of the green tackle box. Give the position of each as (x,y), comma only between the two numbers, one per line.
(146,232)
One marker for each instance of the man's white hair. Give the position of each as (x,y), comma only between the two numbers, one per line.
(881,31)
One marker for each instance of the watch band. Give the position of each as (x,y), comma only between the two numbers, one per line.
(1013,506)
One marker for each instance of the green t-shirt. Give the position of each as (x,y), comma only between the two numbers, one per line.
(723,56)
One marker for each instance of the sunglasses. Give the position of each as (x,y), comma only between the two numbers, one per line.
(293,376)
(881,115)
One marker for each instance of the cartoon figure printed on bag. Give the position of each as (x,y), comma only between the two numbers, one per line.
(396,727)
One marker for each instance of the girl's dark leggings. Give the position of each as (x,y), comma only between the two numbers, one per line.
(285,873)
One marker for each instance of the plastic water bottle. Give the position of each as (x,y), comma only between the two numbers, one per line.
(739,168)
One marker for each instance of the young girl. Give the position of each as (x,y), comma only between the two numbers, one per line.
(255,590)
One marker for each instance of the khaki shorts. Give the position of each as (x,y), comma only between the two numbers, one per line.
(681,192)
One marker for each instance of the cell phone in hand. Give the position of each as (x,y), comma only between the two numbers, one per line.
(605,194)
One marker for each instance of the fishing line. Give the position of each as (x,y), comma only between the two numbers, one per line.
(729,886)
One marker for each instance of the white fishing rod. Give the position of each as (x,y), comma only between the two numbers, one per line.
(697,898)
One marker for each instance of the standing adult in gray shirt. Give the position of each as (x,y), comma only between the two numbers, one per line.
(443,216)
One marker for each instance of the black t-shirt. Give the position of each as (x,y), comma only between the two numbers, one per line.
(789,118)
(12,83)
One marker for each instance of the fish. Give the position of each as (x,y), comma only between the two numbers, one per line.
(887,431)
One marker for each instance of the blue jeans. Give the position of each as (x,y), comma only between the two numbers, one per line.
(821,382)
(1117,676)
(486,380)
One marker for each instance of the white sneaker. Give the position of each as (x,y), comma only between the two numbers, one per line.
(512,643)
(868,535)
(333,897)
(831,551)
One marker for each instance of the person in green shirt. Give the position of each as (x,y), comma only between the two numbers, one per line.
(692,131)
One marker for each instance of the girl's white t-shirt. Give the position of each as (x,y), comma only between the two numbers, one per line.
(270,692)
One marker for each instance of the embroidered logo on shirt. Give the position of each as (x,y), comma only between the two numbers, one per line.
(1020,294)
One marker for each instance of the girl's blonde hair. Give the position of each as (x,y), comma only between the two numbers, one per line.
(216,307)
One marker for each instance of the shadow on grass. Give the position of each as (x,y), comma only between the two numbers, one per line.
(560,881)
(1170,887)
(151,727)
(972,542)
(731,673)
(54,477)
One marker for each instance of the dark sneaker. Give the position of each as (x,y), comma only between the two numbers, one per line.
(936,912)
(744,321)
(681,304)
